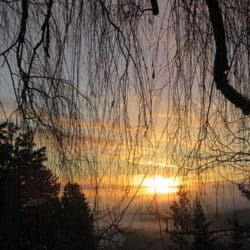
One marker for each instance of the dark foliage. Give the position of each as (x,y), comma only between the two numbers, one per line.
(23,166)
(27,189)
(77,228)
(191,229)
(245,190)
(236,240)
(203,239)
(182,219)
(31,215)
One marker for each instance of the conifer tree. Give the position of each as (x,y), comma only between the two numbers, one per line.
(236,237)
(181,211)
(26,189)
(77,225)
(202,237)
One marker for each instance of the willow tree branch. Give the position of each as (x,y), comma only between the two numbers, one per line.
(155,8)
(221,62)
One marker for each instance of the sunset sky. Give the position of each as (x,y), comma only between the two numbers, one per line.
(139,121)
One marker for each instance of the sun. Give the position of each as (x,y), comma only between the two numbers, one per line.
(161,185)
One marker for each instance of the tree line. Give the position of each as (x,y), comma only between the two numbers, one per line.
(192,229)
(32,216)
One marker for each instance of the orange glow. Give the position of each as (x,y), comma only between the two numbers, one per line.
(161,185)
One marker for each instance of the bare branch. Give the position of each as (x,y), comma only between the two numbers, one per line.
(155,8)
(221,62)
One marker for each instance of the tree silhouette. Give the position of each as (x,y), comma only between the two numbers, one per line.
(191,229)
(202,237)
(77,227)
(181,212)
(26,185)
(26,164)
(244,188)
(236,241)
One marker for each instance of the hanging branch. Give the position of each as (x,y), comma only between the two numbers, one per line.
(221,63)
(155,8)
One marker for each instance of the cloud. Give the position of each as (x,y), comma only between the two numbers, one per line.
(154,164)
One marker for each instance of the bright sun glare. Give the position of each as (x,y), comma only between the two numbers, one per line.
(161,185)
